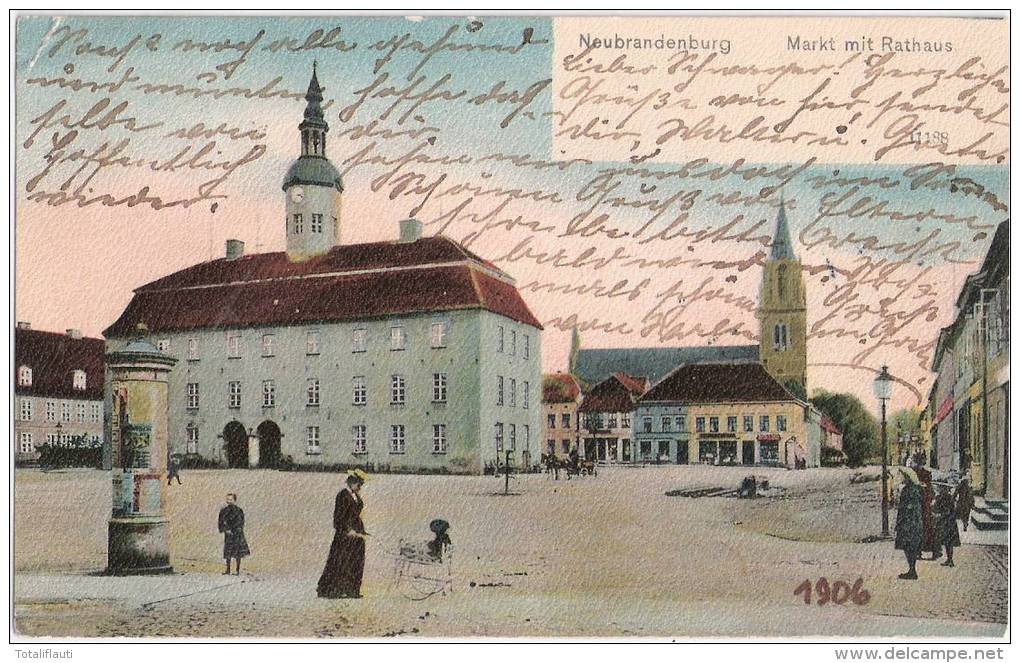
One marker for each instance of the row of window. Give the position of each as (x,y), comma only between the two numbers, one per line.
(359,439)
(83,411)
(315,226)
(666,424)
(507,344)
(26,440)
(550,446)
(78,378)
(438,337)
(506,392)
(359,392)
(565,419)
(606,420)
(507,435)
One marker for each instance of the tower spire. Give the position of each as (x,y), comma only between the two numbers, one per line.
(782,247)
(313,127)
(312,185)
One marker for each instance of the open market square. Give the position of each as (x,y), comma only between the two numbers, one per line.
(610,555)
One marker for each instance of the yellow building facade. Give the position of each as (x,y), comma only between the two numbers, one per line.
(726,414)
(748,433)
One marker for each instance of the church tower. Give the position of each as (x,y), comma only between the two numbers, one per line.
(782,310)
(312,186)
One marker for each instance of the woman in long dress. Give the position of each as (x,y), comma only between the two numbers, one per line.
(341,578)
(909,531)
(928,538)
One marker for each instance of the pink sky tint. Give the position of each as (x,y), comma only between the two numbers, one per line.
(77,269)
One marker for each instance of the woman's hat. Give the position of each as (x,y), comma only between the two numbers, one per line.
(439,526)
(911,475)
(358,475)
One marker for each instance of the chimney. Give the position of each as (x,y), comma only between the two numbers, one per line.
(235,249)
(24,325)
(74,333)
(410,231)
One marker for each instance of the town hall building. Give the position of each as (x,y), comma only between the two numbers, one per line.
(406,355)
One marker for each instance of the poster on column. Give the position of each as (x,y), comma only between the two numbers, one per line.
(489,326)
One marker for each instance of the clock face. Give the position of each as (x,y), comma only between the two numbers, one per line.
(297,194)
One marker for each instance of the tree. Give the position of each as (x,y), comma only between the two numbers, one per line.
(554,389)
(906,421)
(860,428)
(575,350)
(796,388)
(904,434)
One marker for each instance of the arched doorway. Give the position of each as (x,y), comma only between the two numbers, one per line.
(269,444)
(235,439)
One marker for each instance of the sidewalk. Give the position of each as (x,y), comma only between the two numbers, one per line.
(166,597)
(988,537)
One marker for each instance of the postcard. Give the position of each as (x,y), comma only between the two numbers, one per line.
(520,327)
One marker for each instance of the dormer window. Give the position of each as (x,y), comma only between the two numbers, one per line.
(25,376)
(78,380)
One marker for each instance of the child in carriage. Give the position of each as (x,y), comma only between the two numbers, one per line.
(436,546)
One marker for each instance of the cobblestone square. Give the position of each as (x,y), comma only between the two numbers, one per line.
(612,555)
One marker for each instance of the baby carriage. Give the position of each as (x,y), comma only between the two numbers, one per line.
(423,569)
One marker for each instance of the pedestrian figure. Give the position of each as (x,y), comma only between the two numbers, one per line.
(345,566)
(928,543)
(575,459)
(231,523)
(909,528)
(964,501)
(947,534)
(173,470)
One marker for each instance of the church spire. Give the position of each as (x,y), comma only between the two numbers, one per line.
(782,247)
(313,128)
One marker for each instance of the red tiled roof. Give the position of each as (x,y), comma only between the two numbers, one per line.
(617,393)
(828,425)
(53,358)
(636,385)
(559,388)
(344,258)
(719,383)
(350,282)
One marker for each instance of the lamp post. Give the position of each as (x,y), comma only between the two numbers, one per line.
(883,388)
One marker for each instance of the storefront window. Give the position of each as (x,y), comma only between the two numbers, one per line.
(728,453)
(769,452)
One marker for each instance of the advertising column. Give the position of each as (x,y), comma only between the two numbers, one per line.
(138,528)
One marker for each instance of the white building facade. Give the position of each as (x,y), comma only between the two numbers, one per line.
(58,386)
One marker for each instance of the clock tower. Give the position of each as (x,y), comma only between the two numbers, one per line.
(312,186)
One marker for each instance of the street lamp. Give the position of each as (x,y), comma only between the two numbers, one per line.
(883,388)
